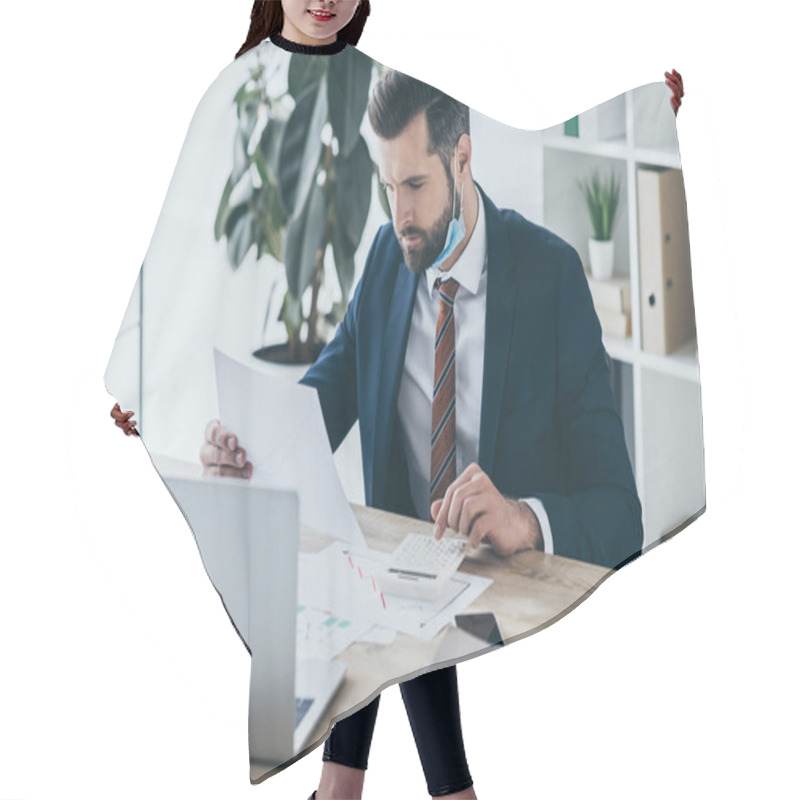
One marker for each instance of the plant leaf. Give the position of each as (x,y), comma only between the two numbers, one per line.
(304,72)
(299,148)
(343,258)
(348,84)
(223,211)
(240,234)
(305,236)
(272,220)
(270,145)
(353,191)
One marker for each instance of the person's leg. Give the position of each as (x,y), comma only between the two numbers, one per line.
(345,755)
(339,782)
(433,710)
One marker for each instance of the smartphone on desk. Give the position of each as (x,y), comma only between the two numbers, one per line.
(483,625)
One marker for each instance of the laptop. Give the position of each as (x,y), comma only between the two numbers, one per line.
(249,536)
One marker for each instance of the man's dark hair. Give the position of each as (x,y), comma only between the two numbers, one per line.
(397,98)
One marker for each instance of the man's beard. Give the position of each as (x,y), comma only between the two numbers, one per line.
(421,255)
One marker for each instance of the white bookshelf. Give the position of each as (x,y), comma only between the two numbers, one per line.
(658,396)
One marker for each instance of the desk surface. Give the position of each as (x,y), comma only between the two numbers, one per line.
(529,591)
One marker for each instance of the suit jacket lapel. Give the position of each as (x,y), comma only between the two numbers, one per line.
(393,351)
(501,285)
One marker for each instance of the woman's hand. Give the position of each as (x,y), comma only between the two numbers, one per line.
(220,455)
(124,420)
(675,82)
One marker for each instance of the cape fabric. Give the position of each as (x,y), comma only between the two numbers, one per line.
(577,377)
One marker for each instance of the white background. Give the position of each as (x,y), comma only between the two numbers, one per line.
(120,675)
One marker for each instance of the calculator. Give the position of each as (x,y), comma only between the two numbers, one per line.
(421,567)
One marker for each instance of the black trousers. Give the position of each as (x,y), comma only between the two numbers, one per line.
(432,706)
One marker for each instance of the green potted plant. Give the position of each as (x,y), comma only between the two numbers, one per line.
(301,181)
(602,200)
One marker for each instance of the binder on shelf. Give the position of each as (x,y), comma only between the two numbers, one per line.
(665,271)
(571,127)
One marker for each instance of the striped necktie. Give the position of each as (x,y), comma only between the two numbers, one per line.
(443,423)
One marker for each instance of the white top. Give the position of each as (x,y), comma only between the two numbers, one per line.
(416,386)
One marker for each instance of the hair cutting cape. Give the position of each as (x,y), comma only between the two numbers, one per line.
(577,371)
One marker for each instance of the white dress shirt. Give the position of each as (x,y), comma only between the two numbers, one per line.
(416,386)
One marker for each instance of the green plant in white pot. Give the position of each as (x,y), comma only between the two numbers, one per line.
(602,200)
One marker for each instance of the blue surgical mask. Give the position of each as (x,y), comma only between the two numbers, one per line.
(457,229)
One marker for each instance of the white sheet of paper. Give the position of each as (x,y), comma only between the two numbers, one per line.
(422,619)
(323,634)
(336,605)
(327,580)
(379,634)
(425,618)
(280,425)
(341,603)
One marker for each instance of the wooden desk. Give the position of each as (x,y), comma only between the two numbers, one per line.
(530,591)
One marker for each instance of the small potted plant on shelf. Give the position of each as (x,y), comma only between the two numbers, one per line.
(602,199)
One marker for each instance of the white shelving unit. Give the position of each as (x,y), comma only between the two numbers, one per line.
(658,396)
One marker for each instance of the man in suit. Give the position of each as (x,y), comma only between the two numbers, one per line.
(473,361)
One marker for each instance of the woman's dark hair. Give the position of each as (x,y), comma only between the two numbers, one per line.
(397,98)
(266,19)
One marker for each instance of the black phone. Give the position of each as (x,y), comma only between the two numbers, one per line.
(483,625)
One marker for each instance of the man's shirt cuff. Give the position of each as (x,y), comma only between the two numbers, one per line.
(544,523)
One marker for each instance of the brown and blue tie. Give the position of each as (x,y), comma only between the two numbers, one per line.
(443,424)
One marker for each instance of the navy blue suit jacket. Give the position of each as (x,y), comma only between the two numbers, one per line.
(549,425)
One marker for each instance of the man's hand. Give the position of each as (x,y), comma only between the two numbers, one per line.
(675,82)
(220,454)
(472,506)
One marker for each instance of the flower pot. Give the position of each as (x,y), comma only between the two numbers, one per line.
(288,372)
(278,355)
(601,258)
